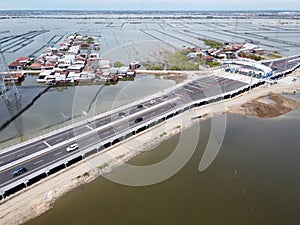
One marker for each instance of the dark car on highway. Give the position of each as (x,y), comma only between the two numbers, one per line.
(19,171)
(139,119)
(122,114)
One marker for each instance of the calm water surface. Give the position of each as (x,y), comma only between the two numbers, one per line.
(254,180)
(71,101)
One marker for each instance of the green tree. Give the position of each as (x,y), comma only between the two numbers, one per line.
(118,64)
(90,40)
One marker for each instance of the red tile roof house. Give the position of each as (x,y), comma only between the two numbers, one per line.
(17,66)
(36,66)
(208,58)
(23,60)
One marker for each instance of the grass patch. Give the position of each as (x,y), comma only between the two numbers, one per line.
(212,43)
(213,64)
(158,66)
(118,64)
(274,55)
(178,61)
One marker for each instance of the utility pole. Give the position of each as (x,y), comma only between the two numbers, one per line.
(65,118)
(8,91)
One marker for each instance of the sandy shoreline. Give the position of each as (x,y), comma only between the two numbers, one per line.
(38,198)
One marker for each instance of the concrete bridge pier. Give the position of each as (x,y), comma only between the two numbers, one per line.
(26,182)
(1,194)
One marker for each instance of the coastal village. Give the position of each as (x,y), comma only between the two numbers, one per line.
(76,61)
(218,52)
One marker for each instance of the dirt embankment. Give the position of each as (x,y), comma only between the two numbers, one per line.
(267,106)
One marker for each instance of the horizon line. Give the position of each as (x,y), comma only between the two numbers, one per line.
(162,10)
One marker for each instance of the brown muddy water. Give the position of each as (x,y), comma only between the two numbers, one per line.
(254,179)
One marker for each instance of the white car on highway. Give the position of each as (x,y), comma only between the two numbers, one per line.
(72,147)
(152,101)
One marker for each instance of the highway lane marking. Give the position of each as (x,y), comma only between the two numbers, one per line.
(119,127)
(78,129)
(38,162)
(179,95)
(203,84)
(196,86)
(46,143)
(101,122)
(188,90)
(22,154)
(106,132)
(40,147)
(89,127)
(20,149)
(60,134)
(206,82)
(91,138)
(58,153)
(9,181)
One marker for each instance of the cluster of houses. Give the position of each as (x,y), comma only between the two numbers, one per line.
(228,51)
(75,61)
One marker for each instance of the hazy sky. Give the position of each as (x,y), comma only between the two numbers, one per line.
(152,4)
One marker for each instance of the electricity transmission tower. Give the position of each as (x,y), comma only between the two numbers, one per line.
(8,90)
